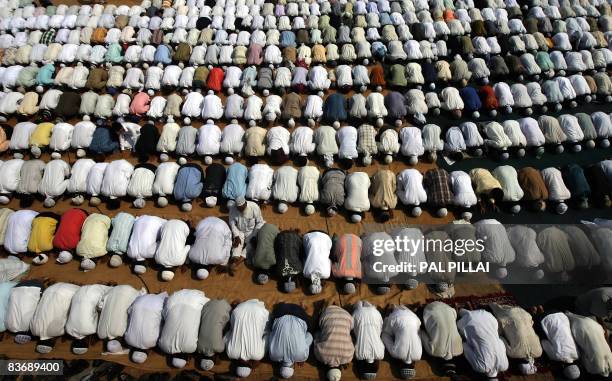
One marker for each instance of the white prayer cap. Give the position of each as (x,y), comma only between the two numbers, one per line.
(139,357)
(162,202)
(4,200)
(309,209)
(202,274)
(208,160)
(36,152)
(139,203)
(416,211)
(87,264)
(561,208)
(243,371)
(167,275)
(355,218)
(178,362)
(442,212)
(186,207)
(210,201)
(207,364)
(95,201)
(164,157)
(286,372)
(229,160)
(64,257)
(114,346)
(349,288)
(40,259)
(240,200)
(140,269)
(115,261)
(282,207)
(334,374)
(49,202)
(56,155)
(501,272)
(80,152)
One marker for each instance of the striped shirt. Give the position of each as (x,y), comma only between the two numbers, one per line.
(334,344)
(347,254)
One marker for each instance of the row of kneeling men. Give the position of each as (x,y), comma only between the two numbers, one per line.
(534,251)
(188,324)
(346,144)
(335,188)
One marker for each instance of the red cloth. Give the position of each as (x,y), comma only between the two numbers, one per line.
(488,98)
(68,233)
(215,79)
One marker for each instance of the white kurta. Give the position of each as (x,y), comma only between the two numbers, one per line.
(172,249)
(246,339)
(145,320)
(308,180)
(559,344)
(182,321)
(213,242)
(18,231)
(401,334)
(84,314)
(285,187)
(356,187)
(368,328)
(114,311)
(144,238)
(317,248)
(259,185)
(482,346)
(21,307)
(410,188)
(78,175)
(51,314)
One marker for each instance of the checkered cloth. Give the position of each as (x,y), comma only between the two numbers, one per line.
(366,138)
(436,182)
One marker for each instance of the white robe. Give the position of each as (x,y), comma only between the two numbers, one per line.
(84,314)
(113,308)
(482,346)
(21,307)
(213,242)
(285,187)
(368,328)
(163,185)
(172,249)
(145,236)
(308,180)
(116,178)
(356,187)
(247,337)
(78,175)
(18,231)
(181,317)
(54,181)
(401,334)
(259,185)
(559,343)
(51,314)
(145,320)
(317,248)
(410,188)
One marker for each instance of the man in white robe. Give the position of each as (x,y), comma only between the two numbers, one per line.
(247,337)
(245,220)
